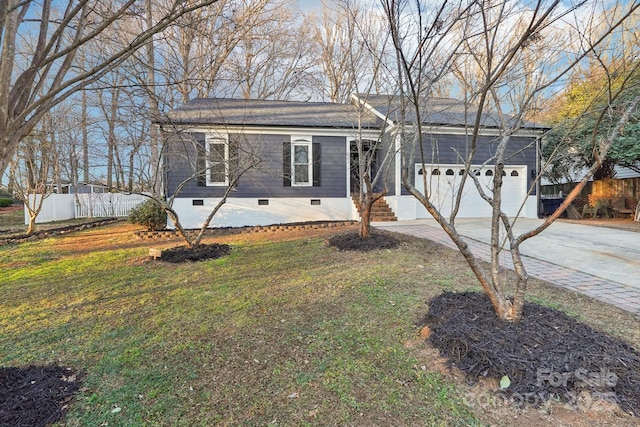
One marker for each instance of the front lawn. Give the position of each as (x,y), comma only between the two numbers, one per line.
(285,330)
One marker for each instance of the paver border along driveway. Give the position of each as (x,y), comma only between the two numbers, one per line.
(600,262)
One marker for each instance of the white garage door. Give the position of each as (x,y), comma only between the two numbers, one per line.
(443,182)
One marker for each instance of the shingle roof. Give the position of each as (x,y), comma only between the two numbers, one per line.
(270,113)
(436,112)
(251,112)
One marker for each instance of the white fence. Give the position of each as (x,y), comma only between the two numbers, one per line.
(106,204)
(59,207)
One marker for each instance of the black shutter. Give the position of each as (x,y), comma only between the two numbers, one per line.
(316,164)
(286,164)
(201,159)
(234,160)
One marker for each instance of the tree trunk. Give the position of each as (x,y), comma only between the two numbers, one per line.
(365,218)
(154,137)
(176,223)
(32,223)
(85,139)
(33,212)
(366,201)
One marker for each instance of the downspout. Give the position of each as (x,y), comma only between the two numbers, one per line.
(538,177)
(398,159)
(348,150)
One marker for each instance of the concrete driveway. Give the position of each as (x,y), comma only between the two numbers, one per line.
(607,253)
(603,252)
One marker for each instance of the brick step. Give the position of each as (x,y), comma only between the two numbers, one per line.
(383,218)
(380,211)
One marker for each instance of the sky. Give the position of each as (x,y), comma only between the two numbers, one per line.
(307,5)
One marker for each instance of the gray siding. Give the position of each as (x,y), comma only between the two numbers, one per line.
(444,149)
(267,179)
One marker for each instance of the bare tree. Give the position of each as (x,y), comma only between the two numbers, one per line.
(275,59)
(353,48)
(35,78)
(154,107)
(371,160)
(34,171)
(497,43)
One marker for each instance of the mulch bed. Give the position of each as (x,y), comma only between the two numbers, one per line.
(35,395)
(353,242)
(197,253)
(547,355)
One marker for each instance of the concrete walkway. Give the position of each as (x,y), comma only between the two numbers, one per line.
(599,262)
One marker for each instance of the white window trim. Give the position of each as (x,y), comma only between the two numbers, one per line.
(306,141)
(219,139)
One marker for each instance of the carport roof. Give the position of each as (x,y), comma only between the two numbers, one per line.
(435,112)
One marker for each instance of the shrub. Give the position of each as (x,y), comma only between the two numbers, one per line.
(149,214)
(5,202)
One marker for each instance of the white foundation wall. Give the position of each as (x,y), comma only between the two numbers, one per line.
(403,206)
(249,212)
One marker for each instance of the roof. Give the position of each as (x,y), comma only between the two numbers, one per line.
(436,112)
(327,115)
(253,113)
(622,172)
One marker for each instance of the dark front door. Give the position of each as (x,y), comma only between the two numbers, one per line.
(369,154)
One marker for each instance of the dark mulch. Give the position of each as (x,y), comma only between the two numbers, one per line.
(35,395)
(197,253)
(353,242)
(545,355)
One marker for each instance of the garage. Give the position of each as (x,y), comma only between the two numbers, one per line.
(443,182)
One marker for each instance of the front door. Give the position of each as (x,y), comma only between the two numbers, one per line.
(370,156)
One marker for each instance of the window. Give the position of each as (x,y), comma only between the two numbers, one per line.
(217,160)
(301,163)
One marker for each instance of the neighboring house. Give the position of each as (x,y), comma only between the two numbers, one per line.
(627,182)
(80,188)
(308,153)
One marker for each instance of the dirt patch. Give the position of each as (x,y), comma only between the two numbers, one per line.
(50,232)
(197,253)
(12,208)
(35,395)
(546,356)
(353,242)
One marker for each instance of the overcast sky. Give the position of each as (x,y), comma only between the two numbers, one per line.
(311,4)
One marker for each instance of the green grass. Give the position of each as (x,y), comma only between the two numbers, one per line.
(289,333)
(12,223)
(12,219)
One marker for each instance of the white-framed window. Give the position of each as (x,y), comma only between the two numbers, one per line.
(217,152)
(301,161)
